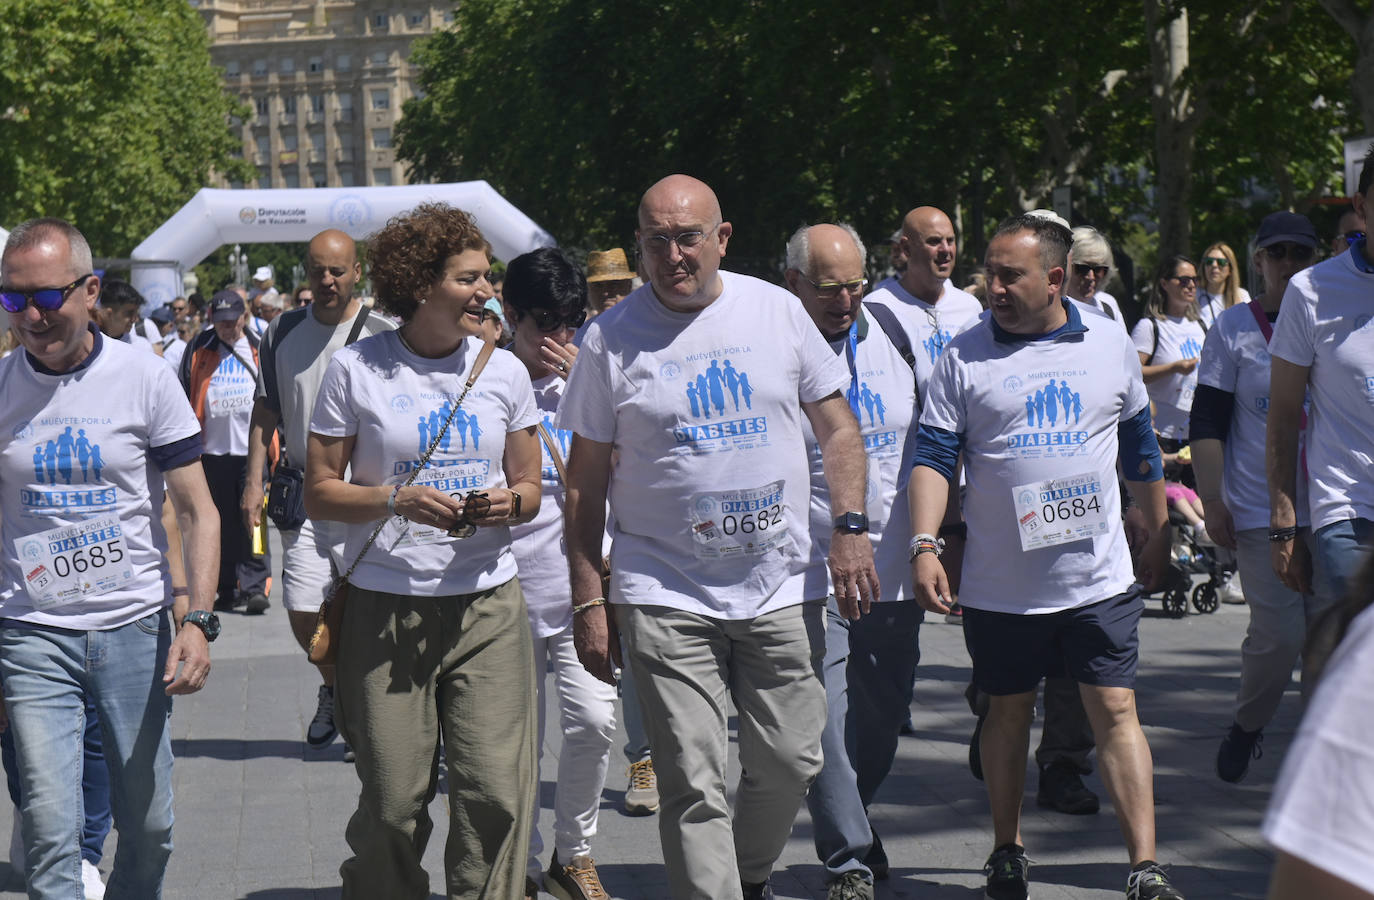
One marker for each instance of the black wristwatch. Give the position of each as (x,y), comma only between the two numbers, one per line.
(206,621)
(851,523)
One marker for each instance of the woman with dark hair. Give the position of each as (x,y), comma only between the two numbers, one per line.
(435,645)
(1169,339)
(545,301)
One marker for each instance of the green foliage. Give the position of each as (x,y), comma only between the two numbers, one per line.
(112,114)
(860,110)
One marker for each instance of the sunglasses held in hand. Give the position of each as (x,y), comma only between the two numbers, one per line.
(475,505)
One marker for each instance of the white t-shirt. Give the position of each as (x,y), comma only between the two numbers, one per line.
(1172,395)
(1322,810)
(1106,305)
(395,402)
(74,456)
(541,554)
(1013,402)
(229,401)
(930,327)
(1235,358)
(711,491)
(1327,323)
(1210,306)
(886,396)
(295,354)
(172,352)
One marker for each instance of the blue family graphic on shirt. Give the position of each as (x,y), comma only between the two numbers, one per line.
(1191,349)
(1053,403)
(67,457)
(563,438)
(464,428)
(936,343)
(707,391)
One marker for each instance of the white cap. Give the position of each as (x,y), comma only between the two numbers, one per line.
(264,273)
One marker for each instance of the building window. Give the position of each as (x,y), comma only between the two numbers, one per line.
(231,68)
(345,107)
(316,64)
(292,179)
(288,104)
(416,20)
(380,20)
(288,65)
(381,177)
(379,58)
(448,16)
(346,178)
(260,104)
(259,67)
(343,62)
(264,177)
(381,99)
(235,185)
(288,141)
(381,138)
(317,178)
(264,147)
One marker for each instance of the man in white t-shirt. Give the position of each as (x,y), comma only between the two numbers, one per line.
(93,430)
(1323,348)
(117,314)
(697,384)
(220,374)
(869,662)
(1047,579)
(295,354)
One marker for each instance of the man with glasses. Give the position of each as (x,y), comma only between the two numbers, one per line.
(1321,351)
(95,430)
(295,353)
(870,662)
(1350,229)
(698,383)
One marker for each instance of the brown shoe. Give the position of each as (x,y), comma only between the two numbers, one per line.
(575,881)
(641,794)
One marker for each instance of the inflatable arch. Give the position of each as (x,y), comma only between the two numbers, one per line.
(215,217)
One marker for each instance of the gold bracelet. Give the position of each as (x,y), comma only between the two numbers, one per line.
(583,607)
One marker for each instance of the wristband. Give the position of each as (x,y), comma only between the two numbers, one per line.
(391,501)
(583,607)
(926,543)
(1279,535)
(181,592)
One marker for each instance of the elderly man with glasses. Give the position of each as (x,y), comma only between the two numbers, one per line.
(698,384)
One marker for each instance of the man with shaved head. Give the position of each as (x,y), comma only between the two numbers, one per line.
(698,384)
(869,663)
(296,349)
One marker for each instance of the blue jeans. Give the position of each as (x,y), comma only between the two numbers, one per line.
(49,673)
(868,676)
(95,786)
(1341,548)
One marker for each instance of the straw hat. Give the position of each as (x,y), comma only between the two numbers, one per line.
(608,265)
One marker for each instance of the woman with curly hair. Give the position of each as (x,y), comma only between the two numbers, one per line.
(1220,289)
(435,646)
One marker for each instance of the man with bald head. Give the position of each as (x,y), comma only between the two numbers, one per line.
(869,663)
(296,349)
(698,384)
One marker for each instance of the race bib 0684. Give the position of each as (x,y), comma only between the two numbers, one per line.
(1060,510)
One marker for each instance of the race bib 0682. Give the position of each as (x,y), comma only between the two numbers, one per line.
(729,524)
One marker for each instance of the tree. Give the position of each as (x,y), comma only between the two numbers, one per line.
(1360,28)
(113,115)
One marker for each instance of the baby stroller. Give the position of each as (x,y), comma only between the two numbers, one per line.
(1190,557)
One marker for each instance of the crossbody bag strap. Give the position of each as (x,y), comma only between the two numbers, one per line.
(358,323)
(553,452)
(477,366)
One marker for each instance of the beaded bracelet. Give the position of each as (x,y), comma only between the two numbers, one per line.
(391,501)
(583,607)
(926,543)
(1279,535)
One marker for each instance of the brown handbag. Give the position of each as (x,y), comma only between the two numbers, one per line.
(324,641)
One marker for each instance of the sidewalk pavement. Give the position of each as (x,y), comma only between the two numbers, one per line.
(261,817)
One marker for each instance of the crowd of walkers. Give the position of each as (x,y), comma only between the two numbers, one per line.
(670,492)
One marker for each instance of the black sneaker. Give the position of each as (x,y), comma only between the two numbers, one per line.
(1148,881)
(1062,789)
(228,602)
(256,604)
(1008,873)
(322,729)
(761,891)
(876,858)
(1236,750)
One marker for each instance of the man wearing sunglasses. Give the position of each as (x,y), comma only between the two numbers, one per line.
(94,430)
(1350,229)
(1322,349)
(697,384)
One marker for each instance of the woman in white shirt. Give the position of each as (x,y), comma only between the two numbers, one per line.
(435,646)
(1220,288)
(1169,340)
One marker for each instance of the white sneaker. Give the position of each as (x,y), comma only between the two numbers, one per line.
(17,861)
(1200,535)
(90,881)
(1229,591)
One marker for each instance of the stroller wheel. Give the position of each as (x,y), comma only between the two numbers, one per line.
(1175,603)
(1205,597)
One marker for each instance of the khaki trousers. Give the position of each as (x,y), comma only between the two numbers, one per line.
(413,671)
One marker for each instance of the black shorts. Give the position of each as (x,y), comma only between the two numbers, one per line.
(1097,644)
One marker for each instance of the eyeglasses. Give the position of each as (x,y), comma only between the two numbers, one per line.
(1082,269)
(1220,262)
(1353,237)
(44,298)
(1185,281)
(829,290)
(687,241)
(475,506)
(549,321)
(1295,252)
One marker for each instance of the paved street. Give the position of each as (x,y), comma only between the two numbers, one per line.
(260,817)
